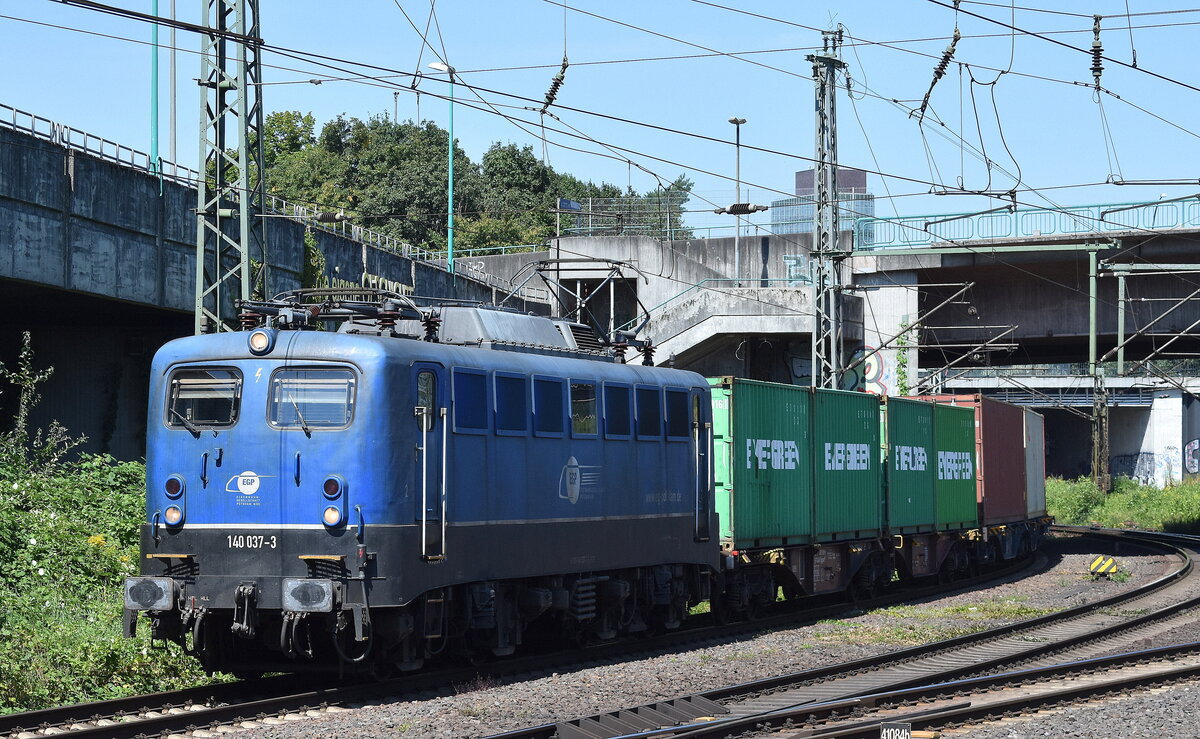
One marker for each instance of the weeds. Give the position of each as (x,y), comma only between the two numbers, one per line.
(68,537)
(1130,505)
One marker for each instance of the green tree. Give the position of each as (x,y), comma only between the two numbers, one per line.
(286,132)
(662,208)
(391,177)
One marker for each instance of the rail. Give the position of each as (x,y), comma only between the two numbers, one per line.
(923,230)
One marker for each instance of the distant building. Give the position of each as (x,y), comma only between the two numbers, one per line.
(796,215)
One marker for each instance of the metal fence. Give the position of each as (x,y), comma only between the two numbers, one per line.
(1025,222)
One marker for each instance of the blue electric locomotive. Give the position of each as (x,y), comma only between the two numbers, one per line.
(422,479)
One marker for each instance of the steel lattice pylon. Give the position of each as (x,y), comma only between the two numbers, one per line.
(231,257)
(826,255)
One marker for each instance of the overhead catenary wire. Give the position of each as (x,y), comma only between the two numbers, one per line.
(402,74)
(879,173)
(884,175)
(1001,260)
(1044,37)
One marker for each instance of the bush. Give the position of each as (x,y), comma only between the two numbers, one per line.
(1130,504)
(1071,502)
(68,538)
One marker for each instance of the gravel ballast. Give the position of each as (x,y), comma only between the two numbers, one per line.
(486,706)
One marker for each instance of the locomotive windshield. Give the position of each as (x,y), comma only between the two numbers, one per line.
(204,398)
(311,398)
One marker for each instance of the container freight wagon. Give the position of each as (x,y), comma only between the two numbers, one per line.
(1005,464)
(931,500)
(799,487)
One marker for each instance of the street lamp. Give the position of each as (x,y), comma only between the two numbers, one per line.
(737,198)
(443,67)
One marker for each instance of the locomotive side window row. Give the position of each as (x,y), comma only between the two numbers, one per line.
(623,411)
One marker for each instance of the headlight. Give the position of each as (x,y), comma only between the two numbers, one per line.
(307,595)
(332,516)
(149,593)
(173,516)
(173,487)
(261,341)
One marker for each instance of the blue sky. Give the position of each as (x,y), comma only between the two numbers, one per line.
(1040,120)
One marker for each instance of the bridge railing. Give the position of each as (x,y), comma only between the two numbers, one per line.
(1101,218)
(97,146)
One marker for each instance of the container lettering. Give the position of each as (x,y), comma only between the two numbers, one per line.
(775,454)
(911,458)
(955,466)
(847,456)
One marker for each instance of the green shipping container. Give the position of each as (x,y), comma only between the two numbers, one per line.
(848,476)
(763,462)
(911,466)
(794,465)
(954,443)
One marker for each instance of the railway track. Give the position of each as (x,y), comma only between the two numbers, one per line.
(291,697)
(1044,643)
(287,698)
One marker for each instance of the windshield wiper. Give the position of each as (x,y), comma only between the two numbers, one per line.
(186,423)
(300,415)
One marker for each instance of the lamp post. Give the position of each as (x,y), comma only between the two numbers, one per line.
(442,67)
(737,198)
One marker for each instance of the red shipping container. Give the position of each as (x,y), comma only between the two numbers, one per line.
(1000,455)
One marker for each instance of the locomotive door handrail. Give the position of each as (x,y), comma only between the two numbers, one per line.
(430,410)
(701,438)
(424,412)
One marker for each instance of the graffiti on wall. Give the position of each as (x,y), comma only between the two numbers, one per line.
(1138,467)
(875,375)
(1151,468)
(1191,457)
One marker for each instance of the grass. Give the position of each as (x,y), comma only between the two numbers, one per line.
(903,634)
(1129,505)
(911,625)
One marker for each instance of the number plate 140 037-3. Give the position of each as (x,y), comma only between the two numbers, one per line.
(251,541)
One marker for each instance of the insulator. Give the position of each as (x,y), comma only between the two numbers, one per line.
(249,319)
(1097,52)
(555,84)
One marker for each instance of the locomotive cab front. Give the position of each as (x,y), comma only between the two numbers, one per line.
(258,445)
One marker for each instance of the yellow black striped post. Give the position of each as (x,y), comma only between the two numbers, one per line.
(1103,566)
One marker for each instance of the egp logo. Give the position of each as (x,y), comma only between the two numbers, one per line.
(570,476)
(246,483)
